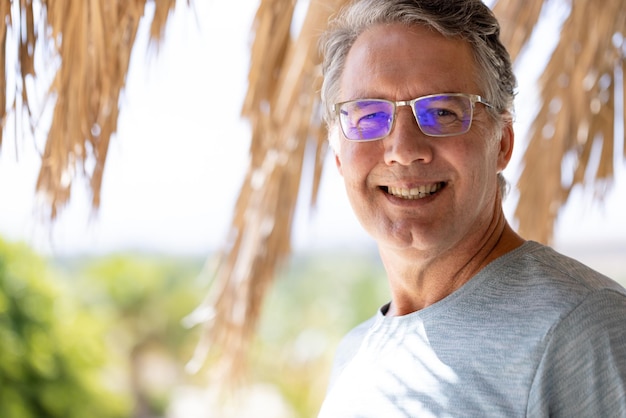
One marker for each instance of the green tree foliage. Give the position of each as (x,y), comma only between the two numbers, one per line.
(52,353)
(144,298)
(67,324)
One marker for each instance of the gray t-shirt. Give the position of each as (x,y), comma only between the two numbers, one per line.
(534,334)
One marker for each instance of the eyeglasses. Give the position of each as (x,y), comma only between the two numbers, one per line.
(437,115)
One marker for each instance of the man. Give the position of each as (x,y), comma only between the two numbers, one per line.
(419,100)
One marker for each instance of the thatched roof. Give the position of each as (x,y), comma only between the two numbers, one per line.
(577,116)
(86,48)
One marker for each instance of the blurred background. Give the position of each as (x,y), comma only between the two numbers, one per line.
(93,305)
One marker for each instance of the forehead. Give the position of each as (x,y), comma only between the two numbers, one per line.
(398,62)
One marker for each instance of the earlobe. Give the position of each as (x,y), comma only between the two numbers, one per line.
(506,146)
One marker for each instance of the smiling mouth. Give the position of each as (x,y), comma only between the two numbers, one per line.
(416,192)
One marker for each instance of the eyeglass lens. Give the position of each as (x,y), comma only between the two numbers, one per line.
(438,115)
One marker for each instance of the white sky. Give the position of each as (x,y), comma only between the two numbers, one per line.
(180,154)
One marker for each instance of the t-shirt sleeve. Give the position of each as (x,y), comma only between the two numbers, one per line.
(583,370)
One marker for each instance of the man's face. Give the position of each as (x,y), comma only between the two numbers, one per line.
(457,175)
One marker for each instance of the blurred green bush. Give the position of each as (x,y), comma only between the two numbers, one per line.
(103,336)
(143,298)
(53,359)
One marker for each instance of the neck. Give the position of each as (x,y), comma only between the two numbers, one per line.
(418,280)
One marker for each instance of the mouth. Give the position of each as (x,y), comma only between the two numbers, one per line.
(416,192)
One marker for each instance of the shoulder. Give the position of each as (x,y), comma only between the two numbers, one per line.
(545,270)
(583,369)
(541,290)
(588,305)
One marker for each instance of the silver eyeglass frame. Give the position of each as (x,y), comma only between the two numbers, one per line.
(474,98)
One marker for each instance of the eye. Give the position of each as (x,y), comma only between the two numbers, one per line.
(376,116)
(366,119)
(446,114)
(437,116)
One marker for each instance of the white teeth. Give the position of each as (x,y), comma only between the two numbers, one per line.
(415,193)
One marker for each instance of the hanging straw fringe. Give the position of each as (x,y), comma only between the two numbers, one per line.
(93,41)
(517,21)
(282,107)
(576,117)
(5,22)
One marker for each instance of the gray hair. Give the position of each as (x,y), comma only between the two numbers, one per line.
(470,20)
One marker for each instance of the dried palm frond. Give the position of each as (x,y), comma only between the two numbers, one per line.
(5,19)
(281,106)
(518,19)
(576,117)
(92,41)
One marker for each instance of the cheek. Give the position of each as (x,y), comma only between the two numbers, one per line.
(358,158)
(476,162)
(489,150)
(495,155)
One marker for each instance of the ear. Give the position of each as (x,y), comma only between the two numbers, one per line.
(334,141)
(506,145)
(338,164)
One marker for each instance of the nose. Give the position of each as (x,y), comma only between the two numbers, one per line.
(407,144)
